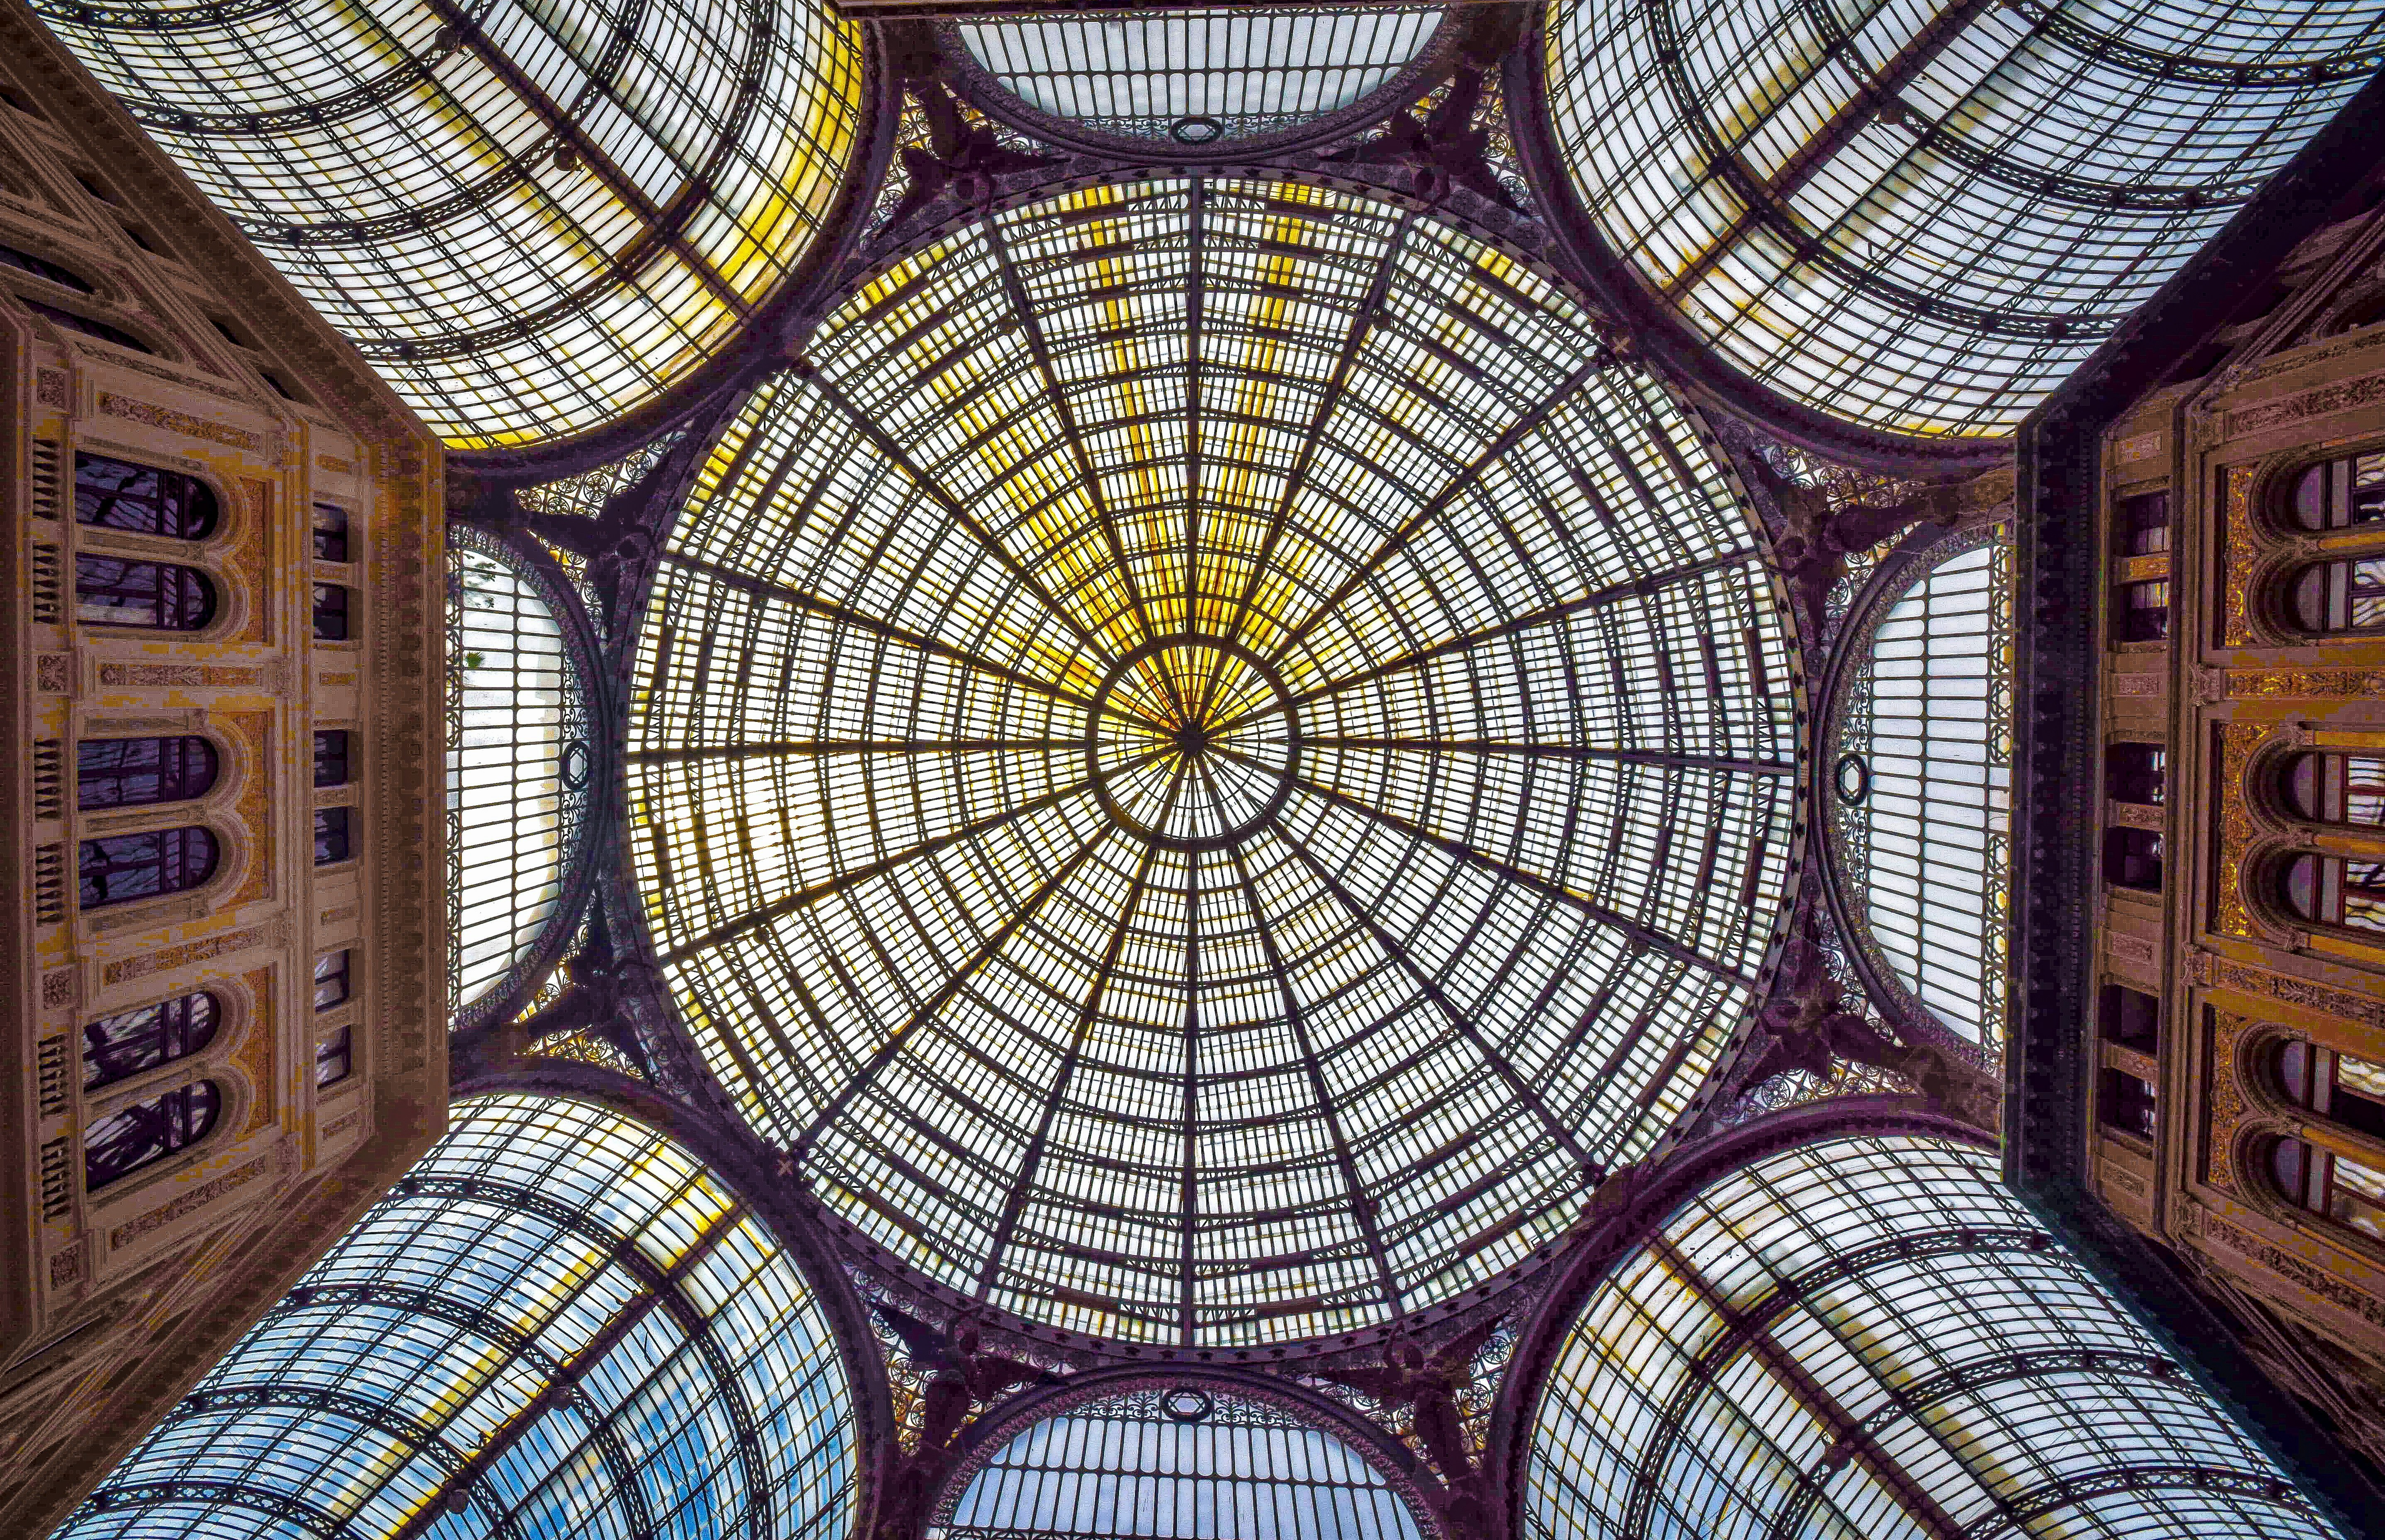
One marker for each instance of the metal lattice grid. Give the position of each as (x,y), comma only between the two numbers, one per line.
(559,1323)
(1921,215)
(529,217)
(1175,1465)
(518,763)
(1210,763)
(1871,1336)
(1928,724)
(1197,77)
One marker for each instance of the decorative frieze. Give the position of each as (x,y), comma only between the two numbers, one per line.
(184,423)
(2238,743)
(142,964)
(2341,395)
(2284,1264)
(2219,972)
(2224,1097)
(190,1201)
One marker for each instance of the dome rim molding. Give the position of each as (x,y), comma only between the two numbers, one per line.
(1519,1291)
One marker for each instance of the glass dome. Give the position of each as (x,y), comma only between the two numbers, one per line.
(530,219)
(1210,762)
(1198,77)
(1923,217)
(560,1325)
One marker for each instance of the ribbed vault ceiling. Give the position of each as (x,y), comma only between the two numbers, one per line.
(1210,763)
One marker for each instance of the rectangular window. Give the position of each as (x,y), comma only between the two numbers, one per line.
(332,758)
(2132,859)
(2140,612)
(2143,524)
(330,612)
(2130,1017)
(2125,1103)
(2135,772)
(333,1059)
(330,835)
(330,532)
(330,980)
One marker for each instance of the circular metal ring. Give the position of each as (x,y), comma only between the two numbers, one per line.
(1851,777)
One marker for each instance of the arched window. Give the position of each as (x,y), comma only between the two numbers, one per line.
(516,764)
(1186,1463)
(123,867)
(118,1047)
(1925,837)
(2340,595)
(530,219)
(2336,788)
(41,266)
(558,1325)
(135,773)
(2336,1086)
(142,499)
(1871,1336)
(154,595)
(2334,890)
(2350,1192)
(76,322)
(117,1146)
(2340,493)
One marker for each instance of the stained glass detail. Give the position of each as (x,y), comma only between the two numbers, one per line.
(1197,77)
(1928,842)
(558,1325)
(529,215)
(1209,763)
(1185,1464)
(1871,1336)
(516,732)
(1921,215)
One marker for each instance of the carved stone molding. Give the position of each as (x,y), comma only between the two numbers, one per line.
(2237,744)
(2224,1098)
(2213,971)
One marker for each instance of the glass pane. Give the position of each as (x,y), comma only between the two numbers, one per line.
(118,495)
(131,772)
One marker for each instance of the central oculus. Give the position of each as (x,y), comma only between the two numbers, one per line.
(1193,743)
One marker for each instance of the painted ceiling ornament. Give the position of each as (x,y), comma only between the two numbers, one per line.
(962,157)
(1807,1026)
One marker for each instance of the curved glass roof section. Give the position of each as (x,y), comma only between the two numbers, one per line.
(529,215)
(558,1323)
(517,764)
(1184,1464)
(1871,1336)
(1196,77)
(1921,215)
(1208,761)
(1928,842)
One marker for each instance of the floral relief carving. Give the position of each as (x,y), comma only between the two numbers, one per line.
(50,388)
(2284,1264)
(190,1202)
(2313,683)
(2219,972)
(2226,1098)
(166,418)
(2238,742)
(255,1055)
(2340,396)
(2236,605)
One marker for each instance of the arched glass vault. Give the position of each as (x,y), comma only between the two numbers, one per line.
(529,217)
(1921,215)
(558,1325)
(1209,763)
(1871,1336)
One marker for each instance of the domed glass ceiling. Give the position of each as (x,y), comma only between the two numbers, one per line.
(1210,763)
